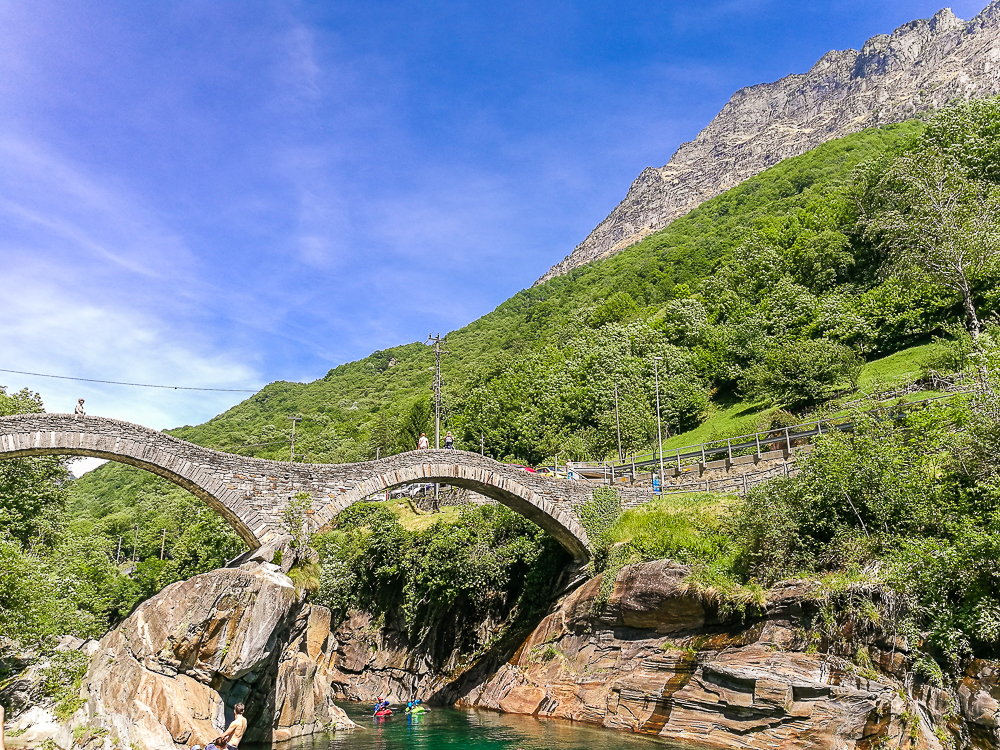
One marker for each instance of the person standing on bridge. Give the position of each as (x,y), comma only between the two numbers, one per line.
(449,441)
(79,411)
(423,443)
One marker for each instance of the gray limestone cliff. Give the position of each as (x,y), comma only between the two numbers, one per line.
(922,65)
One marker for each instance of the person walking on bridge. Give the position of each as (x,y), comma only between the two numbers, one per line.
(449,441)
(423,443)
(79,411)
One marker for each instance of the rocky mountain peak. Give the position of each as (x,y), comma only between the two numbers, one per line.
(921,65)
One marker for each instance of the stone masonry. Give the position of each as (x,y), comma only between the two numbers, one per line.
(251,493)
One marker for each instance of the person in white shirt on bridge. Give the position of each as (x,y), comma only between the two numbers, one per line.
(423,442)
(78,411)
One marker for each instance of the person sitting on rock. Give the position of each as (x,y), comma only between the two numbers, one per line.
(231,739)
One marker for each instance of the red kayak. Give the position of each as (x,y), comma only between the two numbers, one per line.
(384,712)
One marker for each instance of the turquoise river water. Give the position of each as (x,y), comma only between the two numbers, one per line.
(444,728)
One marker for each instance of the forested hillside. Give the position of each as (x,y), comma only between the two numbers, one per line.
(782,276)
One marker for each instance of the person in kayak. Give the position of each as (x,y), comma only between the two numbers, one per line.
(381,705)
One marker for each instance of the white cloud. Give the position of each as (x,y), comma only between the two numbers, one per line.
(52,328)
(57,204)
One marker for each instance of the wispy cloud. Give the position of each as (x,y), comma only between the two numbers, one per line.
(67,213)
(53,328)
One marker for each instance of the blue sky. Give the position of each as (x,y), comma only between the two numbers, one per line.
(225,193)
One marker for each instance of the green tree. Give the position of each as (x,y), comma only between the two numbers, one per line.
(802,372)
(32,490)
(934,222)
(969,133)
(416,421)
(618,308)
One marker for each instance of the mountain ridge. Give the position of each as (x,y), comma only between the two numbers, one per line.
(921,65)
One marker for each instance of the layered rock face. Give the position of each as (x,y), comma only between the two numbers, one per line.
(922,65)
(374,659)
(656,660)
(171,673)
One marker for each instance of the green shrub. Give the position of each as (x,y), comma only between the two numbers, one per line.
(61,681)
(492,562)
(803,372)
(600,513)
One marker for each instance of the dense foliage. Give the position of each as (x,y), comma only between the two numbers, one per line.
(491,565)
(909,500)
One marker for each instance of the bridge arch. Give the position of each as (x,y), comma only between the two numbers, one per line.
(163,455)
(554,517)
(252,493)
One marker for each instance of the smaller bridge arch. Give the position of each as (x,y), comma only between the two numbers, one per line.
(508,485)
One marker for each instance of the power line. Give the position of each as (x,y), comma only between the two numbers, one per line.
(138,385)
(250,445)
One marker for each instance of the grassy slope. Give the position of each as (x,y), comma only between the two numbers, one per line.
(341,406)
(743,417)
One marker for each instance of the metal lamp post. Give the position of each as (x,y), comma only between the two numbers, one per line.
(659,432)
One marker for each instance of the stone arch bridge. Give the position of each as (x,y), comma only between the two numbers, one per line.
(251,493)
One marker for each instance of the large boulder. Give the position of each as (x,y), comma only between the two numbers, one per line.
(171,673)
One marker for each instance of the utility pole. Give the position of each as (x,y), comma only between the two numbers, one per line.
(438,351)
(294,421)
(618,424)
(659,431)
(482,444)
(135,548)
(163,543)
(118,554)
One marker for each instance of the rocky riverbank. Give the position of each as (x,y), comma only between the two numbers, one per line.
(170,674)
(657,658)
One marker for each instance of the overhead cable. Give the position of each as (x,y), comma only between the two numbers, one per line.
(138,385)
(251,445)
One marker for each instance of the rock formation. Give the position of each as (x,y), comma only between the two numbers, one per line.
(170,674)
(921,65)
(657,660)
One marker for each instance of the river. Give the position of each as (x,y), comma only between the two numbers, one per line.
(442,728)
